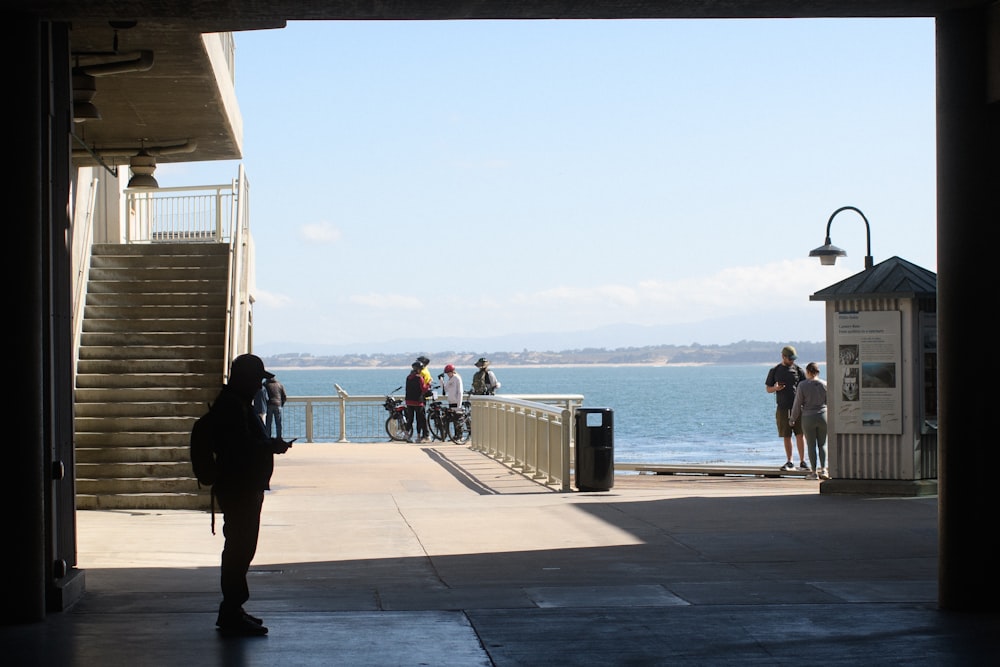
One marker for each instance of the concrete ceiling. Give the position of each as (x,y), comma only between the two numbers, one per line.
(178,100)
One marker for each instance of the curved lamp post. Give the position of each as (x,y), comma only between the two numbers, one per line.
(828,253)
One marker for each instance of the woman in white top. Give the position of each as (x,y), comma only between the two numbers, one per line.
(452,387)
(810,407)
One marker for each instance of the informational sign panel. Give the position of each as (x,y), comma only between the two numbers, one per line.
(865,375)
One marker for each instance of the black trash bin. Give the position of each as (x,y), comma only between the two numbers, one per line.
(595,449)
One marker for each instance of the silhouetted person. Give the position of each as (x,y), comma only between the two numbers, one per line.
(245,461)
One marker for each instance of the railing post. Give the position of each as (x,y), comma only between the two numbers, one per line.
(343,419)
(567,433)
(309,421)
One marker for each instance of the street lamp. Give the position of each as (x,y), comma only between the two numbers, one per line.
(828,253)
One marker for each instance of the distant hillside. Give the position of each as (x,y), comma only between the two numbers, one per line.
(743,352)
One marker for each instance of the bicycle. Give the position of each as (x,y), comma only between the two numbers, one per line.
(396,426)
(459,423)
(436,420)
(447,423)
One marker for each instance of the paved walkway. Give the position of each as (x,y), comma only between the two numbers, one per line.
(394,554)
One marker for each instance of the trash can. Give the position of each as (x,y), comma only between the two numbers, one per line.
(595,445)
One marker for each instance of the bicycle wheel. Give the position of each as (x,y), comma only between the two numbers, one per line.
(436,426)
(459,429)
(395,427)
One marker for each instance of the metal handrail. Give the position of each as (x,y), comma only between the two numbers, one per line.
(237,336)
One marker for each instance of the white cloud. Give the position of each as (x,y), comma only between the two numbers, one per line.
(733,291)
(385,301)
(320,232)
(271,299)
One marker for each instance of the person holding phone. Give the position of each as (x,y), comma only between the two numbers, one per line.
(244,462)
(782,381)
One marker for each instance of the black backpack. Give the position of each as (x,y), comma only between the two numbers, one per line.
(203,451)
(203,448)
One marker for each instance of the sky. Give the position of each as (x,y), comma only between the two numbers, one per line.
(550,185)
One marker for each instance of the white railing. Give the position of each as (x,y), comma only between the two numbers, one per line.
(204,214)
(182,214)
(533,438)
(531,433)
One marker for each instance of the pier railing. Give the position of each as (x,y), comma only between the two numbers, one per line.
(531,433)
(533,438)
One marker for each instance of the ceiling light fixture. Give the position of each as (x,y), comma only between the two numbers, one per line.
(142,166)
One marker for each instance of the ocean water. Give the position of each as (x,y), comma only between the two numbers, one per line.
(662,414)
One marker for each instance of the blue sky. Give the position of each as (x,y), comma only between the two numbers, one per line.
(497,185)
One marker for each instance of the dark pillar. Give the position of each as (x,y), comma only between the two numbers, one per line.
(64,582)
(968,125)
(24,553)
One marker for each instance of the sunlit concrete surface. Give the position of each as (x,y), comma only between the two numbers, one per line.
(397,554)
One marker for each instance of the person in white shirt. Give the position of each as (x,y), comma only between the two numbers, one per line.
(452,386)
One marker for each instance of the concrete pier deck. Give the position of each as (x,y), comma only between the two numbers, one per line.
(396,554)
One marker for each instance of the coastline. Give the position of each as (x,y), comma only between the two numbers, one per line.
(500,366)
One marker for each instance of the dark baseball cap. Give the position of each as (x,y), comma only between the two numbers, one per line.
(249,366)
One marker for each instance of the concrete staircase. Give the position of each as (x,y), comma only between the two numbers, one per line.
(150,359)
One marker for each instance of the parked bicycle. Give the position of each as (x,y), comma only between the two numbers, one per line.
(447,423)
(396,426)
(435,420)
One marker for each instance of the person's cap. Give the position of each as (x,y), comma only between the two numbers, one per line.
(482,361)
(249,366)
(449,368)
(789,351)
(423,361)
(416,365)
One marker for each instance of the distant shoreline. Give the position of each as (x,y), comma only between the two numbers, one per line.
(501,366)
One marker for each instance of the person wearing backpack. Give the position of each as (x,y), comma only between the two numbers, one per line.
(244,459)
(484,382)
(416,414)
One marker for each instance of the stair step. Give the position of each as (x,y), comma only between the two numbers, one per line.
(158,249)
(147,409)
(198,261)
(136,424)
(102,485)
(151,286)
(212,379)
(163,299)
(136,439)
(134,325)
(149,472)
(158,273)
(199,395)
(155,311)
(112,455)
(93,352)
(145,501)
(114,366)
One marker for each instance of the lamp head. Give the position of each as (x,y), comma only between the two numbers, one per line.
(143,165)
(828,253)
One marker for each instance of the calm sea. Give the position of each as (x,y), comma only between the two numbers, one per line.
(662,414)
